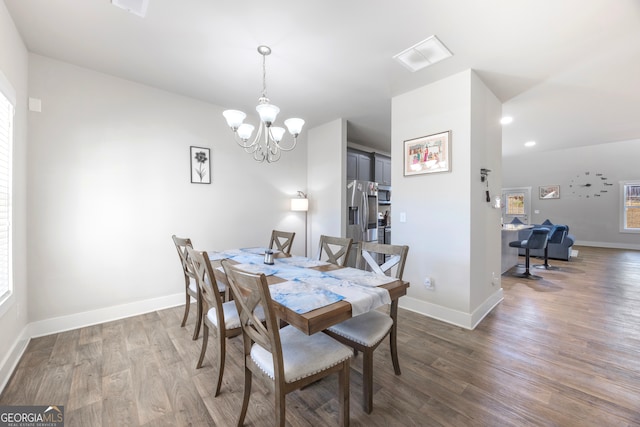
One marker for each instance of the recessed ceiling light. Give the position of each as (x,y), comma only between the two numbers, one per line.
(506,120)
(423,54)
(529,143)
(137,7)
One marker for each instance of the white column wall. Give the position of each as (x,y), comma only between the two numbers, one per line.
(439,229)
(326,177)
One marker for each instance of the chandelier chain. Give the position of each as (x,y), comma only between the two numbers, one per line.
(264,75)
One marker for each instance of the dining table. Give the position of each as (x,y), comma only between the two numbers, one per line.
(313,295)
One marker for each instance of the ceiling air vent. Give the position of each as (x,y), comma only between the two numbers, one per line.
(137,7)
(423,54)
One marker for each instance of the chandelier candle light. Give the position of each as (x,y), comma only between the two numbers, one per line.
(266,144)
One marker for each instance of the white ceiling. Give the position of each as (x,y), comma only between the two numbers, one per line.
(568,71)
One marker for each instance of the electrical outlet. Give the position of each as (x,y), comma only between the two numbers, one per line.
(429,283)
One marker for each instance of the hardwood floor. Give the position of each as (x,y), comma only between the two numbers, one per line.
(561,351)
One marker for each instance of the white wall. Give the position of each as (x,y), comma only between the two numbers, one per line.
(594,221)
(13,314)
(109,184)
(326,177)
(486,152)
(447,221)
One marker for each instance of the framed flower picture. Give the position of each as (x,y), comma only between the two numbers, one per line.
(200,165)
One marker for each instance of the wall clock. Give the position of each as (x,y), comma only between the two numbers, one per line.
(589,184)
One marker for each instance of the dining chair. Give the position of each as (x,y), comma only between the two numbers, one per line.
(365,332)
(283,240)
(284,359)
(219,318)
(190,285)
(336,249)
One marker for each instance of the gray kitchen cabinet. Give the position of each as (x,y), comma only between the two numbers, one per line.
(359,165)
(382,169)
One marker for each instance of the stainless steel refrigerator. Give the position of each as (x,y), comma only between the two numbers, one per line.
(362,212)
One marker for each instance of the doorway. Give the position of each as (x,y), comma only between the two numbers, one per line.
(517,204)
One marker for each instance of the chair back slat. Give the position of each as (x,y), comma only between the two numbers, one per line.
(335,249)
(283,240)
(181,246)
(396,256)
(206,280)
(251,291)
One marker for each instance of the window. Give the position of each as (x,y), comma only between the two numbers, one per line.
(630,209)
(515,204)
(7,108)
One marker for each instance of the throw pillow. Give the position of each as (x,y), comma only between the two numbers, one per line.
(547,222)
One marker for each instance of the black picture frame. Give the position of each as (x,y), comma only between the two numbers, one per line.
(200,165)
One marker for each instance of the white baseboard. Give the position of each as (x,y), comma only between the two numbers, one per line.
(12,358)
(448,315)
(107,314)
(608,245)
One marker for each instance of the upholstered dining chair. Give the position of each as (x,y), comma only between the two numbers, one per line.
(556,235)
(536,240)
(219,318)
(285,359)
(190,285)
(335,249)
(365,332)
(283,240)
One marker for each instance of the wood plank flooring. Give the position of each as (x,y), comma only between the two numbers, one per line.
(561,351)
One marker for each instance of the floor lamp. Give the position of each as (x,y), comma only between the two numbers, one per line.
(301,204)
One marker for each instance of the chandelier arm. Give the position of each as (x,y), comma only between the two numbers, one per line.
(277,144)
(295,141)
(274,156)
(253,142)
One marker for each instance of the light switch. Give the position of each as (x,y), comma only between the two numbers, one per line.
(35,105)
(403,217)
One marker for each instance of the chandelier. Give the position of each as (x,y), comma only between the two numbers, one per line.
(266,143)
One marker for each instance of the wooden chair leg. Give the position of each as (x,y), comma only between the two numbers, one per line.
(203,350)
(246,395)
(343,394)
(281,407)
(196,332)
(393,341)
(367,380)
(222,350)
(187,305)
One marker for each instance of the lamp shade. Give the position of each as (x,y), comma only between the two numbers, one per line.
(234,118)
(294,126)
(268,113)
(300,204)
